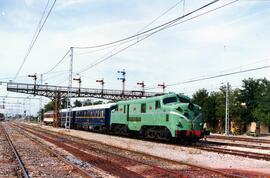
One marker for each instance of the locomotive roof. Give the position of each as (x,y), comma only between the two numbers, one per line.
(99,106)
(171,94)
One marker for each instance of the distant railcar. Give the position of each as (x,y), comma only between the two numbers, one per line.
(2,117)
(48,117)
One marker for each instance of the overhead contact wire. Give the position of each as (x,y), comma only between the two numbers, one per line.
(34,41)
(152,29)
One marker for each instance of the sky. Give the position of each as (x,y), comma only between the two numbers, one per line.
(231,39)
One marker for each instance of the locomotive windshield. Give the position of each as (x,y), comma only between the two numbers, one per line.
(183,99)
(169,100)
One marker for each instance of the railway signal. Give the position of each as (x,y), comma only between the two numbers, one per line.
(35,82)
(80,82)
(163,86)
(143,85)
(102,85)
(123,79)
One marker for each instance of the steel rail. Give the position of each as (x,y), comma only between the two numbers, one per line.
(239,139)
(235,144)
(60,157)
(235,152)
(21,164)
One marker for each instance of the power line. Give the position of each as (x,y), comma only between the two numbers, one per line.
(152,29)
(35,39)
(126,41)
(57,63)
(221,75)
(40,21)
(102,59)
(215,76)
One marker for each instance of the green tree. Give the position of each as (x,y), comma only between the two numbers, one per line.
(87,102)
(248,98)
(208,104)
(49,106)
(77,103)
(262,99)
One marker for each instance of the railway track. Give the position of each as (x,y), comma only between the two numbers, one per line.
(234,138)
(40,161)
(235,144)
(22,170)
(121,162)
(253,155)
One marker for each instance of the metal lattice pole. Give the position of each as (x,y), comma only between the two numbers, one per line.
(227,115)
(40,101)
(69,108)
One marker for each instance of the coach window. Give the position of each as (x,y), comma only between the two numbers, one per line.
(102,113)
(157,104)
(143,108)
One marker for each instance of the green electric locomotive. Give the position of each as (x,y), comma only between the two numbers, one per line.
(161,117)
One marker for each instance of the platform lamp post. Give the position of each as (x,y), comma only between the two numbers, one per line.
(163,86)
(142,85)
(102,86)
(123,79)
(80,83)
(35,82)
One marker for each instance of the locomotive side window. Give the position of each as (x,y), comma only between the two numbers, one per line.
(157,104)
(143,108)
(169,100)
(124,108)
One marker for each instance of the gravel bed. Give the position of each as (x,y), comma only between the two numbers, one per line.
(38,162)
(8,164)
(174,152)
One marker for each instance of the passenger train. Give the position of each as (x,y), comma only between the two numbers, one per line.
(2,117)
(48,117)
(166,117)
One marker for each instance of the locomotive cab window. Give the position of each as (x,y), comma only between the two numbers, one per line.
(169,100)
(143,108)
(183,99)
(157,104)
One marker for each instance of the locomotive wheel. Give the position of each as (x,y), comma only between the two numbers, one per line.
(164,134)
(150,133)
(116,129)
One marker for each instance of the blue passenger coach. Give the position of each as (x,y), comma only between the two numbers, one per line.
(95,117)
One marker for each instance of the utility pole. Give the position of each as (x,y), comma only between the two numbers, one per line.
(80,82)
(69,108)
(227,114)
(163,86)
(40,101)
(123,79)
(35,82)
(102,85)
(143,85)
